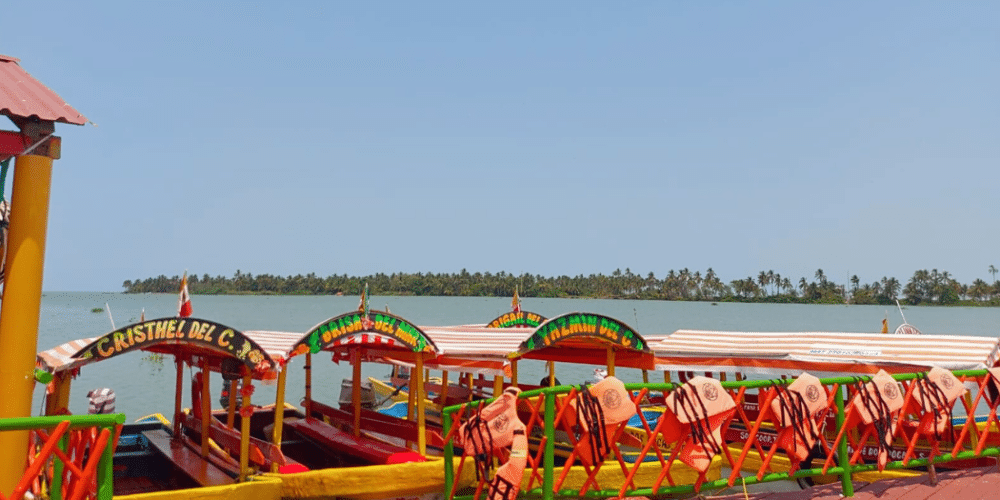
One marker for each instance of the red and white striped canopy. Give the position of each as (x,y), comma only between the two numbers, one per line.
(820,352)
(61,358)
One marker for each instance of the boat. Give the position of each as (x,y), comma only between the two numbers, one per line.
(185,454)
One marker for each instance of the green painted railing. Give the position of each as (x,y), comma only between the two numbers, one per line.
(965,449)
(103,472)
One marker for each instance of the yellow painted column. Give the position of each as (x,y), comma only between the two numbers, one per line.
(513,374)
(472,387)
(552,373)
(497,386)
(443,393)
(245,431)
(22,300)
(421,417)
(279,409)
(611,362)
(59,399)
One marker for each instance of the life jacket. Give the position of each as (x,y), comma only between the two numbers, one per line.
(101,401)
(878,403)
(798,412)
(491,429)
(933,398)
(595,409)
(695,413)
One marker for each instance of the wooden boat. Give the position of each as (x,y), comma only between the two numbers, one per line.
(185,457)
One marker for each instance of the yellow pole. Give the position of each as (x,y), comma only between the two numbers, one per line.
(231,414)
(611,362)
(443,393)
(552,373)
(21,305)
(513,374)
(421,418)
(497,385)
(356,390)
(666,376)
(309,386)
(279,410)
(206,405)
(411,397)
(59,399)
(245,430)
(472,387)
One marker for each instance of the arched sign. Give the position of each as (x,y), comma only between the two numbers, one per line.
(517,319)
(181,331)
(584,325)
(398,329)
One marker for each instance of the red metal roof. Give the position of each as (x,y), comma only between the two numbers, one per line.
(21,95)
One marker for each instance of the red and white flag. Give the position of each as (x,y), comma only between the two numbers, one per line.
(184,301)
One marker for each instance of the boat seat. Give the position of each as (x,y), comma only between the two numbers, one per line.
(186,459)
(368,449)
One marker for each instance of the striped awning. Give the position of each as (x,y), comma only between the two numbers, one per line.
(820,352)
(275,344)
(60,358)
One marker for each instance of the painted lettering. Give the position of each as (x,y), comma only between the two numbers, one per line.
(100,348)
(223,338)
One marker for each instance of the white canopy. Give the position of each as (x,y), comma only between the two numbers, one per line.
(828,353)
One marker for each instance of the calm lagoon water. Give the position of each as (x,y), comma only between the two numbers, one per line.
(144,386)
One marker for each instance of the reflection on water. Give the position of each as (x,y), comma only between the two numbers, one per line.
(145,385)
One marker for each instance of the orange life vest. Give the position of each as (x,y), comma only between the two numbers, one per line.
(933,398)
(602,405)
(879,403)
(798,411)
(695,413)
(490,430)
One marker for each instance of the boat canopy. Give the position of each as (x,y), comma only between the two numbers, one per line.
(826,353)
(586,338)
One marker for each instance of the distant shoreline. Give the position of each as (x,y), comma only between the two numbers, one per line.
(930,288)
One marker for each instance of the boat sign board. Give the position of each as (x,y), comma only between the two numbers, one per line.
(179,332)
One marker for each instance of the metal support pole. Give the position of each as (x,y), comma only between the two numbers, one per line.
(845,459)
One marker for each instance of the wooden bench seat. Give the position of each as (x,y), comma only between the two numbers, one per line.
(188,460)
(370,450)
(383,424)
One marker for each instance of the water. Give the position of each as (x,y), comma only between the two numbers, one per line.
(144,386)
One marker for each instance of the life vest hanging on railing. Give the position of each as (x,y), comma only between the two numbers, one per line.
(874,410)
(489,431)
(695,413)
(594,411)
(931,400)
(798,411)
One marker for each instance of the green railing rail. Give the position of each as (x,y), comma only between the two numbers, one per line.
(103,472)
(963,449)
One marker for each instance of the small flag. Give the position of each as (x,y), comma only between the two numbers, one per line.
(184,301)
(142,316)
(515,303)
(366,323)
(885,325)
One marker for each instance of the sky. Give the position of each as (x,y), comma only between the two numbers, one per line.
(552,138)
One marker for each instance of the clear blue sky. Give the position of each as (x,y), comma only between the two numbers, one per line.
(542,137)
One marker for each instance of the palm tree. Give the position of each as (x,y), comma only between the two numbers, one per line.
(993,271)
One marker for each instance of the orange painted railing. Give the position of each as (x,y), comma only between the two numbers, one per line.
(845,423)
(69,456)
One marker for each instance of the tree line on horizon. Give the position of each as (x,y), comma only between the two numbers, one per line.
(924,287)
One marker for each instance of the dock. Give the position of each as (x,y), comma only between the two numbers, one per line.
(968,484)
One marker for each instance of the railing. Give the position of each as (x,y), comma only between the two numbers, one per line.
(651,455)
(69,457)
